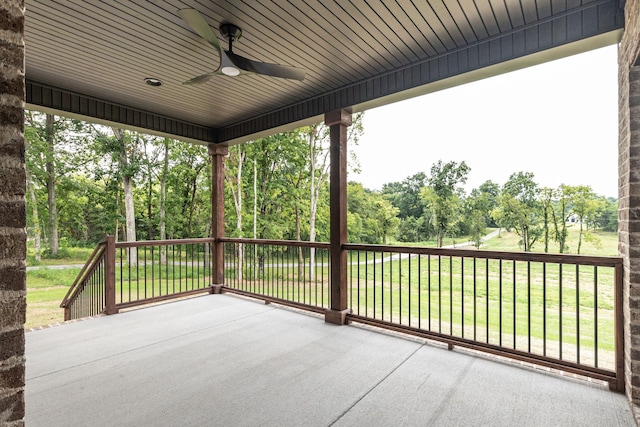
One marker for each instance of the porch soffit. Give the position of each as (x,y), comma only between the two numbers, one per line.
(89,58)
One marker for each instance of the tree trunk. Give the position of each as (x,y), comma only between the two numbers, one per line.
(580,236)
(255,212)
(299,238)
(37,237)
(236,193)
(51,186)
(149,204)
(130,218)
(314,193)
(241,156)
(163,201)
(129,210)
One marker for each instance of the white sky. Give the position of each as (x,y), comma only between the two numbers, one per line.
(558,120)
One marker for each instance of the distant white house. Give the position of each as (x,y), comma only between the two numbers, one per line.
(573,219)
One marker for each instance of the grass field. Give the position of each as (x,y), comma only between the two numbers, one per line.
(46,288)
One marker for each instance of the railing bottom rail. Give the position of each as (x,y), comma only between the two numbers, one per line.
(595,373)
(138,303)
(268,299)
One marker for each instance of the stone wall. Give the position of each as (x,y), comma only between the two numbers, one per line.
(12,213)
(629,195)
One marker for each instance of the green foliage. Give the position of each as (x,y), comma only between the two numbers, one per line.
(519,208)
(607,218)
(290,173)
(376,215)
(444,196)
(405,195)
(413,229)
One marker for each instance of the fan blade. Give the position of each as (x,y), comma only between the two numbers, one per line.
(274,70)
(200,79)
(197,23)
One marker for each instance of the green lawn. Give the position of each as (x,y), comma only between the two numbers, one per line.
(603,244)
(45,290)
(67,256)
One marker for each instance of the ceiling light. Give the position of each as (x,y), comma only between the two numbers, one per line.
(230,71)
(151,81)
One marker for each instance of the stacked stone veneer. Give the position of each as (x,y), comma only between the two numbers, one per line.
(12,213)
(629,195)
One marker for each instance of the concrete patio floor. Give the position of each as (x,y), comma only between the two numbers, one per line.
(221,360)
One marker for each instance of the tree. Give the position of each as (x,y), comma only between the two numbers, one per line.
(50,166)
(585,204)
(560,216)
(489,191)
(387,217)
(188,191)
(478,207)
(413,229)
(547,196)
(35,219)
(150,162)
(607,218)
(317,137)
(370,216)
(52,153)
(163,199)
(235,163)
(519,208)
(443,196)
(128,167)
(405,195)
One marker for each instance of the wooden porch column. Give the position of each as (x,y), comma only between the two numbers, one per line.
(217,153)
(338,122)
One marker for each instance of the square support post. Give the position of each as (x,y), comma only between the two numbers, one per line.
(338,122)
(110,275)
(217,153)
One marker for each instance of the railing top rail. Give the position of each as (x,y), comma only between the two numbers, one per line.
(299,243)
(603,261)
(143,243)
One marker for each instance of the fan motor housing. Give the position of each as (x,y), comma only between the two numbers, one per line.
(230,32)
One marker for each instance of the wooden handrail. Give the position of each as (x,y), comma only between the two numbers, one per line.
(85,272)
(296,243)
(142,243)
(601,261)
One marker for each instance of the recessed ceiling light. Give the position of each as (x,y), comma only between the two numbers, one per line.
(151,81)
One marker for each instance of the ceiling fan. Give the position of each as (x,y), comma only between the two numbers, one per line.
(230,63)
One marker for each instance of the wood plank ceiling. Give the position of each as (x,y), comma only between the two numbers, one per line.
(90,57)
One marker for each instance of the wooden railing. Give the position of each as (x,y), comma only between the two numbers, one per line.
(555,310)
(125,274)
(86,296)
(289,272)
(156,270)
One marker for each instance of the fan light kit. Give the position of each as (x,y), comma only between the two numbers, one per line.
(230,63)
